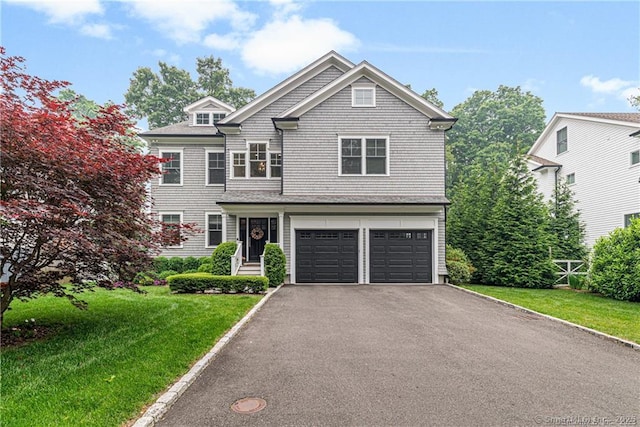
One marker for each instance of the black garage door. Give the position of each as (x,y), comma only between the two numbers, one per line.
(326,256)
(400,256)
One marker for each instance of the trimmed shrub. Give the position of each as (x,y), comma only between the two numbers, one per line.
(200,282)
(615,264)
(204,260)
(206,268)
(458,266)
(160,263)
(176,263)
(190,263)
(145,278)
(166,273)
(221,258)
(275,264)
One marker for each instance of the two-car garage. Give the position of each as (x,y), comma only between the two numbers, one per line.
(338,255)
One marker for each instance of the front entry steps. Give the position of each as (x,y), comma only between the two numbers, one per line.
(249,269)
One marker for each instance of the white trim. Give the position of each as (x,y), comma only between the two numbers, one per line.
(224,107)
(209,113)
(363,224)
(363,154)
(247,162)
(206,227)
(206,165)
(171,150)
(181,213)
(231,164)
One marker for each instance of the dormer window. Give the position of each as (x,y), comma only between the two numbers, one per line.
(207,118)
(363,95)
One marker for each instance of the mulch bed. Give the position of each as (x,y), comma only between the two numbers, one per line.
(16,336)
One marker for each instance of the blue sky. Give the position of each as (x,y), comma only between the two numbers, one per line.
(576,56)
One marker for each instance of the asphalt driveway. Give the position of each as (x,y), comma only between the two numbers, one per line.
(411,356)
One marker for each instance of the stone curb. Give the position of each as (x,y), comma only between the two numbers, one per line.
(166,400)
(574,325)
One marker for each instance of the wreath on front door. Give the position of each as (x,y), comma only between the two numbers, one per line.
(257,233)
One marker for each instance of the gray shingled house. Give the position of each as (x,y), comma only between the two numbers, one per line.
(340,164)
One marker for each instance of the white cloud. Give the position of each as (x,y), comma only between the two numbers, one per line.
(282,46)
(230,41)
(283,8)
(532,85)
(101,31)
(63,11)
(630,92)
(612,86)
(184,21)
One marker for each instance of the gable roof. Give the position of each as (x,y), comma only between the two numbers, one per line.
(364,69)
(201,103)
(331,59)
(543,163)
(181,129)
(619,119)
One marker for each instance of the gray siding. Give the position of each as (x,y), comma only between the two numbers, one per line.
(193,199)
(310,155)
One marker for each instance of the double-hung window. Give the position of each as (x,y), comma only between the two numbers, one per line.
(171,222)
(561,141)
(207,118)
(258,160)
(276,165)
(214,229)
(364,156)
(635,157)
(239,165)
(215,167)
(171,168)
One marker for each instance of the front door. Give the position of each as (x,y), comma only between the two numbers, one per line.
(258,235)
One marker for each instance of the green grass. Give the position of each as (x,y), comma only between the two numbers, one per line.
(105,364)
(617,318)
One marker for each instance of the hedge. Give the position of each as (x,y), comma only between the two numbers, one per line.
(275,264)
(200,282)
(221,258)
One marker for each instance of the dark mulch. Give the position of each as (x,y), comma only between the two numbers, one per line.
(16,336)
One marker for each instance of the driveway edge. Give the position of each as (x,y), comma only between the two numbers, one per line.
(166,400)
(566,322)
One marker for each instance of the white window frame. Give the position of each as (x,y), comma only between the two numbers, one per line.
(566,141)
(206,222)
(269,154)
(573,178)
(161,214)
(209,114)
(363,154)
(161,153)
(206,166)
(247,162)
(232,167)
(637,153)
(359,87)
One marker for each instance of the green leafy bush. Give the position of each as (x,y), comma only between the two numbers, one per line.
(204,260)
(221,258)
(145,278)
(160,263)
(615,264)
(458,266)
(200,282)
(176,263)
(206,268)
(190,263)
(275,264)
(166,273)
(577,281)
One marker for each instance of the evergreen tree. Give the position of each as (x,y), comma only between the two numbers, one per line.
(517,240)
(568,230)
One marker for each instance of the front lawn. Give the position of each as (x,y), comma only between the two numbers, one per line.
(618,318)
(103,365)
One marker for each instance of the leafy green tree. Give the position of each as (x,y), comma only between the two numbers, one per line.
(431,95)
(567,228)
(161,97)
(635,100)
(505,122)
(517,239)
(468,216)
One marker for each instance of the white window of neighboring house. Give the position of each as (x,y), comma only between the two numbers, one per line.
(275,165)
(364,156)
(214,229)
(215,167)
(207,118)
(171,222)
(571,178)
(239,165)
(172,169)
(561,141)
(629,217)
(363,95)
(635,157)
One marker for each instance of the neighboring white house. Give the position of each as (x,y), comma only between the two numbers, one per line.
(339,164)
(598,154)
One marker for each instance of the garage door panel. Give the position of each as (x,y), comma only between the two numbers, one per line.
(329,256)
(400,256)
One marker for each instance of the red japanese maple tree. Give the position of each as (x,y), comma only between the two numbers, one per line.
(73,194)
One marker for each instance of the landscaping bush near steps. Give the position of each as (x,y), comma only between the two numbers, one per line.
(221,258)
(200,282)
(275,264)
